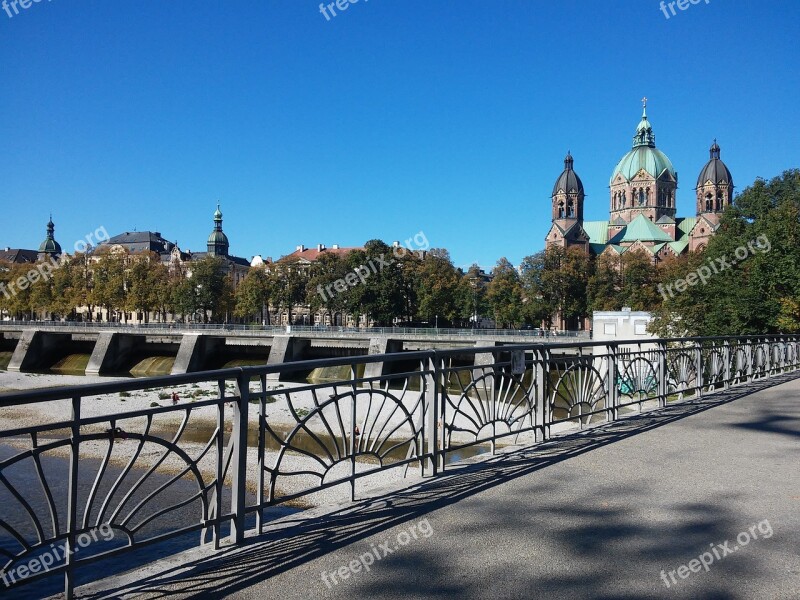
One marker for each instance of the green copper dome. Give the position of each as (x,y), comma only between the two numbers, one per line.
(218,237)
(644,155)
(50,245)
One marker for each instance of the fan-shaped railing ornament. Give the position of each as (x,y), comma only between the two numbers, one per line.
(681,373)
(493,401)
(637,378)
(579,393)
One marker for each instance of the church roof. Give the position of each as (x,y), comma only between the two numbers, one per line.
(642,230)
(715,170)
(665,220)
(684,227)
(568,181)
(679,246)
(597,231)
(644,155)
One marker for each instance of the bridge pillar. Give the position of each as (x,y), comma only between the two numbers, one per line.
(381,345)
(33,349)
(110,352)
(285,348)
(194,351)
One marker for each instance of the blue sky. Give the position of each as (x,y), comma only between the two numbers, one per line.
(394,117)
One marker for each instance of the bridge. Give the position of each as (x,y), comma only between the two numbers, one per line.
(606,469)
(198,347)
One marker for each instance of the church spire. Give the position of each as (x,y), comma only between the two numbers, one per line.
(644,131)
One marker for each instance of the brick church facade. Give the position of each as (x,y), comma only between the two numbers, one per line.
(642,204)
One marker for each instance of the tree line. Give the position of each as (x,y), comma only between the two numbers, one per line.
(555,287)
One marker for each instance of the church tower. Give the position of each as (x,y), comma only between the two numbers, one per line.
(644,181)
(714,187)
(49,248)
(567,209)
(217,242)
(568,195)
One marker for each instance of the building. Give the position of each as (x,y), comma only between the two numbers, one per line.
(611,326)
(217,244)
(642,204)
(49,248)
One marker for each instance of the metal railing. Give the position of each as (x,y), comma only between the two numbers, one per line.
(290,329)
(214,465)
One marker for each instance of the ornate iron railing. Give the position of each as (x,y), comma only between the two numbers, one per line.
(214,465)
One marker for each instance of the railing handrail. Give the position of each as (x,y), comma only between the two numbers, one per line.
(289,329)
(138,383)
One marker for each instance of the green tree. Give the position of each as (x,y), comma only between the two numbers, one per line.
(321,294)
(108,282)
(253,295)
(504,294)
(747,281)
(211,288)
(438,285)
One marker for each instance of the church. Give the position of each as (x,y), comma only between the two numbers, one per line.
(642,204)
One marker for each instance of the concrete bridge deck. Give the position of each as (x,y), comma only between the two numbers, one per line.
(594,515)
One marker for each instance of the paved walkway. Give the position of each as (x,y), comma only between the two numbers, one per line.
(596,515)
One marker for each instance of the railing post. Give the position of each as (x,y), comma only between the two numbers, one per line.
(432,421)
(726,357)
(239,458)
(72,501)
(698,346)
(612,392)
(542,375)
(663,374)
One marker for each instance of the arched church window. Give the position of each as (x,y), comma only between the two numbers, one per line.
(560,210)
(647,195)
(708,202)
(641,196)
(624,199)
(719,201)
(570,209)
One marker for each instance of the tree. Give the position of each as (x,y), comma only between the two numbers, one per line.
(146,282)
(555,281)
(471,295)
(321,293)
(211,288)
(504,294)
(253,294)
(108,282)
(747,281)
(604,286)
(438,283)
(380,295)
(638,282)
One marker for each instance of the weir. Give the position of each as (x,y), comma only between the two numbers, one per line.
(121,349)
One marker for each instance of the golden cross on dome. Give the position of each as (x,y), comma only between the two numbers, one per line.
(644,102)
